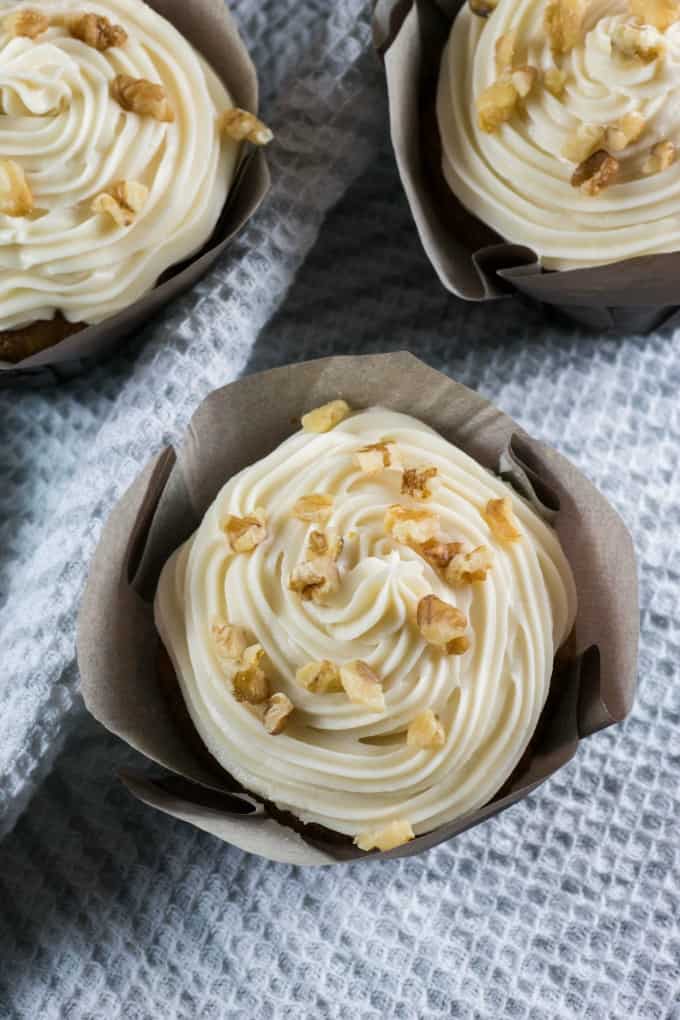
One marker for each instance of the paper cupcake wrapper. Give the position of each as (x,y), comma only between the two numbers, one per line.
(118,646)
(636,295)
(209,26)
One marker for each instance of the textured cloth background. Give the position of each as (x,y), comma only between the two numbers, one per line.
(566,906)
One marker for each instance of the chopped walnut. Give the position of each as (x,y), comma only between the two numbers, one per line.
(440,623)
(362,685)
(504,52)
(122,203)
(411,526)
(243,126)
(377,457)
(250,683)
(659,13)
(583,142)
(499,515)
(637,42)
(439,554)
(141,96)
(277,713)
(320,677)
(469,567)
(483,8)
(97,31)
(27,23)
(626,130)
(554,80)
(496,105)
(563,23)
(15,194)
(524,78)
(387,837)
(320,543)
(315,578)
(661,156)
(326,417)
(316,507)
(426,731)
(414,482)
(597,172)
(245,533)
(230,641)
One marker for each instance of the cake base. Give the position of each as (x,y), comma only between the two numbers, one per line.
(17,344)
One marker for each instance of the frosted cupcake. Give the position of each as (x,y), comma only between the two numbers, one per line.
(559,121)
(117,151)
(364,626)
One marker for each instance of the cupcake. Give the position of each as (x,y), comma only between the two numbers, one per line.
(559,123)
(119,147)
(364,626)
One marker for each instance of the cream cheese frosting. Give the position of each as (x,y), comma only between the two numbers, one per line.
(340,763)
(60,123)
(518,179)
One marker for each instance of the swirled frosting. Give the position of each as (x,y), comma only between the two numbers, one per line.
(60,123)
(517,179)
(339,763)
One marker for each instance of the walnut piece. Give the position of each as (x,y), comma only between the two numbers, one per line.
(583,142)
(97,31)
(661,156)
(439,554)
(483,8)
(250,683)
(277,713)
(245,533)
(554,80)
(563,22)
(230,641)
(316,508)
(141,96)
(659,13)
(243,126)
(411,526)
(414,482)
(315,578)
(499,515)
(524,78)
(496,105)
(122,202)
(440,623)
(387,837)
(426,731)
(377,457)
(320,677)
(466,568)
(27,23)
(597,172)
(362,686)
(321,543)
(326,417)
(637,42)
(504,52)
(626,130)
(15,195)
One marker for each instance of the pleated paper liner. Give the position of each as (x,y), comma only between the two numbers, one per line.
(472,261)
(209,26)
(130,688)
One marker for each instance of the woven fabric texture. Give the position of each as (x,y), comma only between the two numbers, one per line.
(567,905)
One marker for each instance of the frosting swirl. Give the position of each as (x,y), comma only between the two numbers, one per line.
(340,763)
(73,141)
(517,178)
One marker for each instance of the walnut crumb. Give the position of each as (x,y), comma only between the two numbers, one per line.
(245,533)
(315,507)
(596,173)
(16,198)
(277,713)
(661,156)
(250,684)
(466,568)
(230,641)
(426,731)
(320,677)
(243,126)
(315,579)
(377,457)
(582,142)
(659,13)
(27,23)
(504,52)
(122,202)
(411,526)
(554,80)
(563,22)
(439,554)
(499,515)
(524,79)
(626,130)
(496,105)
(387,837)
(362,686)
(440,623)
(321,543)
(97,31)
(414,482)
(326,417)
(483,8)
(141,96)
(638,42)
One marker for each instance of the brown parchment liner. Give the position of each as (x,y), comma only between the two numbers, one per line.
(118,646)
(471,260)
(210,27)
